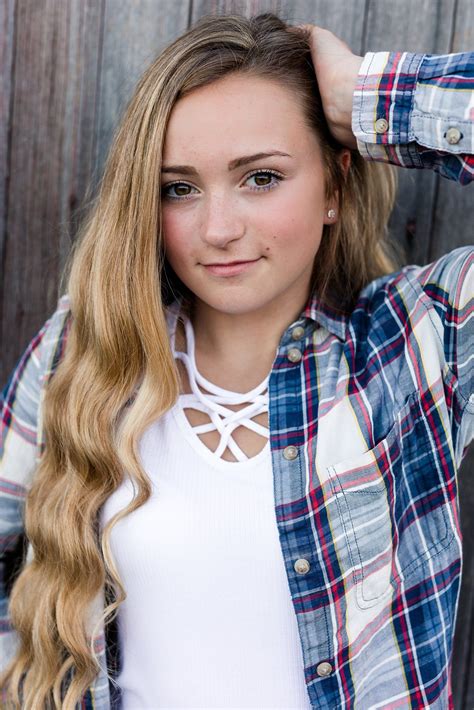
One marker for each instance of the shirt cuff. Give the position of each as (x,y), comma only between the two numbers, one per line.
(406,103)
(383,103)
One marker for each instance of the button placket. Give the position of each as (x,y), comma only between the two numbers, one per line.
(290,453)
(324,669)
(297,332)
(294,355)
(302,573)
(302,566)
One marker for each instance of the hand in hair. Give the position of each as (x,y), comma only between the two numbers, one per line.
(336,71)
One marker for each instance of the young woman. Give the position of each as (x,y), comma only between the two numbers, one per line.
(233,447)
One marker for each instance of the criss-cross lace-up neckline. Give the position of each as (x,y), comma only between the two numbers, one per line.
(214,401)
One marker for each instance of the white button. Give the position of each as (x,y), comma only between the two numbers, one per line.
(294,355)
(471,398)
(302,566)
(323,669)
(381,125)
(453,135)
(290,453)
(297,333)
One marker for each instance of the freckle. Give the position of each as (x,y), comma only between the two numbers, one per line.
(274,236)
(267,249)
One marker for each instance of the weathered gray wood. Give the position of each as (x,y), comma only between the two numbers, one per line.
(37,106)
(7,15)
(134,33)
(79,123)
(54,75)
(241,7)
(345,19)
(462,676)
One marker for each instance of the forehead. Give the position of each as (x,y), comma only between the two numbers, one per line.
(237,112)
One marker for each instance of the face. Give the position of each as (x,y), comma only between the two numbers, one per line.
(243,196)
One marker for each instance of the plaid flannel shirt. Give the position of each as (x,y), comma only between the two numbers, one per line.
(368,427)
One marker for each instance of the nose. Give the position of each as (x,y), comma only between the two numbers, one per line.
(222,223)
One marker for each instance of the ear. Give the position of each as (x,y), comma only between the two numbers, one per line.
(345,160)
(333,204)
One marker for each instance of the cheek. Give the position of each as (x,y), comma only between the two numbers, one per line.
(303,204)
(296,220)
(175,234)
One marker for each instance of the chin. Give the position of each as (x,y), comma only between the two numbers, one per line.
(237,304)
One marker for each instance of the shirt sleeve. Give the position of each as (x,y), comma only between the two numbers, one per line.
(448,292)
(20,446)
(417,111)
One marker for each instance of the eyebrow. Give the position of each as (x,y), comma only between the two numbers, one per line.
(236,163)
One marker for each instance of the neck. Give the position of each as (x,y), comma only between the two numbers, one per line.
(236,351)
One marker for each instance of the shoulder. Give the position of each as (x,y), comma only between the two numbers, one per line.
(422,313)
(447,280)
(431,303)
(55,338)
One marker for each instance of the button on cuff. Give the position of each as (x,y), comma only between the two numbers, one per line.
(381,125)
(453,135)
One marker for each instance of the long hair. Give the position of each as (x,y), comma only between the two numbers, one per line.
(117,373)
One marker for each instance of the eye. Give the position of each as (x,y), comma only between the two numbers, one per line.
(276,178)
(178,186)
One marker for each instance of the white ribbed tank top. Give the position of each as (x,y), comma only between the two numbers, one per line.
(208,621)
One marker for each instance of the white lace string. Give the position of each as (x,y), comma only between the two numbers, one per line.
(214,401)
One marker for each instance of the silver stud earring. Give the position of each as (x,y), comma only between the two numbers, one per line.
(331,213)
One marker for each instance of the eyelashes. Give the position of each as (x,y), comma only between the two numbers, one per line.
(276,179)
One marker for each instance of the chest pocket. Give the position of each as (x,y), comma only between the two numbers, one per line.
(390,505)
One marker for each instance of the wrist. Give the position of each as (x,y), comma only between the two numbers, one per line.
(350,84)
(339,111)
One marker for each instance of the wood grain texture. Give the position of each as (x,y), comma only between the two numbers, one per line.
(345,19)
(7,23)
(51,124)
(134,33)
(462,675)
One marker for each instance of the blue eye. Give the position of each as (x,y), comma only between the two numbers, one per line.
(178,185)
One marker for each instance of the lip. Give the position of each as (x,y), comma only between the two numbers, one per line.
(231,268)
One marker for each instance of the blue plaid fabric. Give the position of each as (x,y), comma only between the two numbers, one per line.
(409,109)
(368,429)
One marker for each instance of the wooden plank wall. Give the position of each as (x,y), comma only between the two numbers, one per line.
(68,69)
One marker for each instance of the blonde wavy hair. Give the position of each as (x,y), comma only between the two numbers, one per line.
(119,284)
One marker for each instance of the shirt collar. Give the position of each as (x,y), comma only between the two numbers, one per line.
(333,320)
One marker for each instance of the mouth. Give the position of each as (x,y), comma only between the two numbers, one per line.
(230,268)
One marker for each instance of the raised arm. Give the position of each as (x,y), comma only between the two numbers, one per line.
(413,110)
